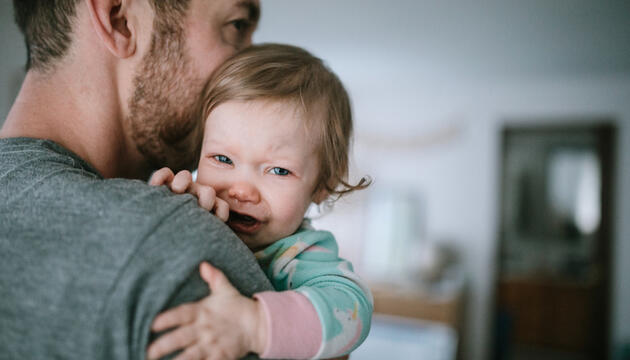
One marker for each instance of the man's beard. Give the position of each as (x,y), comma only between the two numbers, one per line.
(164,113)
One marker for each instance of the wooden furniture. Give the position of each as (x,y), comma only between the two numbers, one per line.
(415,303)
(445,308)
(551,313)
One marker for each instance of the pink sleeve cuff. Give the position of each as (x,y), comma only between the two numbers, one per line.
(293,327)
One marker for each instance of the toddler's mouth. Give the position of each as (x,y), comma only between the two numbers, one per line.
(243,223)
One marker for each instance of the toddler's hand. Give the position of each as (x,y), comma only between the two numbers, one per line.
(182,183)
(224,325)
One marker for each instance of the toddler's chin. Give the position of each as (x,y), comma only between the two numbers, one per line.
(252,243)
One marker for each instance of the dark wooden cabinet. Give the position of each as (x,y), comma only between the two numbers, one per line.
(551,313)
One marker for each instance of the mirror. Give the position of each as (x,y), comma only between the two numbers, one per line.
(551,202)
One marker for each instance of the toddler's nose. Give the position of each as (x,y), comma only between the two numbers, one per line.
(243,191)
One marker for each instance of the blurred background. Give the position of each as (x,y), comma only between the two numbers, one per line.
(497,134)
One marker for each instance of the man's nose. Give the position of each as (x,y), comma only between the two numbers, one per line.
(244,191)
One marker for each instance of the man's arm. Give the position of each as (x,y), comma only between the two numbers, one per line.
(163,273)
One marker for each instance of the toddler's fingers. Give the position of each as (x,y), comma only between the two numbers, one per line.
(216,279)
(194,352)
(172,341)
(181,182)
(161,177)
(205,270)
(206,196)
(181,315)
(221,209)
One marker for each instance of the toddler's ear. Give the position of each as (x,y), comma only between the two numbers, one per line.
(320,195)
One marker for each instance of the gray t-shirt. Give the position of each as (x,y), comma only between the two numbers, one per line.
(86,263)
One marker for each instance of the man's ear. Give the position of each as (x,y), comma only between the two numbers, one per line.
(109,20)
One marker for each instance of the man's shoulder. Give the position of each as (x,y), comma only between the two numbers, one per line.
(132,209)
(125,197)
(70,200)
(37,171)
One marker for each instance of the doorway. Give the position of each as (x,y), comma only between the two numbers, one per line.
(553,282)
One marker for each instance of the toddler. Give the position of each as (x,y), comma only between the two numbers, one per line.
(276,139)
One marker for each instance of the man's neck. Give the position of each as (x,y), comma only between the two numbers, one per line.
(82,115)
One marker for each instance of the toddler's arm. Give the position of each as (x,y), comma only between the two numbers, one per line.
(324,301)
(324,312)
(224,325)
(183,183)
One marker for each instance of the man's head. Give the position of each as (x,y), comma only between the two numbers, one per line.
(47,26)
(288,74)
(159,96)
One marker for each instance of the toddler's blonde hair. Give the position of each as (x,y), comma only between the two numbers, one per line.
(279,72)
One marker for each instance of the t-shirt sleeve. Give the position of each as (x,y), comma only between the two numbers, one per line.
(162,272)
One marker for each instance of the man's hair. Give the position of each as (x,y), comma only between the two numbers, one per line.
(276,72)
(47,26)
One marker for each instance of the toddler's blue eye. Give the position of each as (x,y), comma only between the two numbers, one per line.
(223,159)
(280,171)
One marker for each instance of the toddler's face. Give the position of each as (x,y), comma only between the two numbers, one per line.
(260,158)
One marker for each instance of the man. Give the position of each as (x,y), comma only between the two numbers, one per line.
(86,260)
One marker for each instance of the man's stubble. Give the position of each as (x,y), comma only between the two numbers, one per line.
(164,109)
